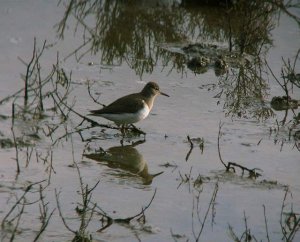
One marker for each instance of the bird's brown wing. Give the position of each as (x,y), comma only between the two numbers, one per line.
(127,104)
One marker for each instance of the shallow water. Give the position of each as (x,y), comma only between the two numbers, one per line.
(193,109)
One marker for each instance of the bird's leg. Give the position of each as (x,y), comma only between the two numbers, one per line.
(123,130)
(135,129)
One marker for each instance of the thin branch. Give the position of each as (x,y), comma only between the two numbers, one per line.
(219,149)
(94,99)
(266,223)
(127,220)
(60,212)
(17,224)
(212,201)
(191,148)
(16,148)
(28,188)
(94,123)
(230,165)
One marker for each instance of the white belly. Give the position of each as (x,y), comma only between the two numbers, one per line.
(128,118)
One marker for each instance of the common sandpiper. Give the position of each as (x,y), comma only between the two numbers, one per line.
(131,108)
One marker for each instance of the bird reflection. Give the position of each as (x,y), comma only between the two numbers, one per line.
(126,158)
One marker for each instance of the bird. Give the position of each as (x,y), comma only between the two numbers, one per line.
(131,108)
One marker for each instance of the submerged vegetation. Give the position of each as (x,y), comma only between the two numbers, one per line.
(45,121)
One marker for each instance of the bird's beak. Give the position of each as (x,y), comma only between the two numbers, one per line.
(164,94)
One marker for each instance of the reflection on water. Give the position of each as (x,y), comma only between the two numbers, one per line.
(124,31)
(232,37)
(244,26)
(245,91)
(126,158)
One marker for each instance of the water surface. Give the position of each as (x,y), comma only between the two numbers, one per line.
(125,46)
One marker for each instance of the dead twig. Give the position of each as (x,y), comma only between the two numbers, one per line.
(85,218)
(230,166)
(16,148)
(61,214)
(290,225)
(19,201)
(108,220)
(92,122)
(266,223)
(186,178)
(45,217)
(219,149)
(210,205)
(191,148)
(200,141)
(90,94)
(246,235)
